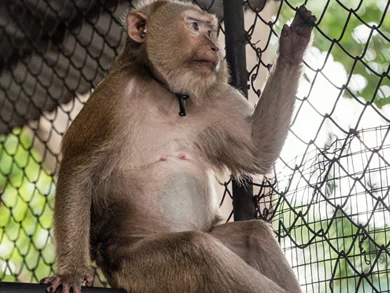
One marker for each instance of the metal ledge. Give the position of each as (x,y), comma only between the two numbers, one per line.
(37,288)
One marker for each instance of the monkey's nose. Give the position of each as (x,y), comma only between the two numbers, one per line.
(214,48)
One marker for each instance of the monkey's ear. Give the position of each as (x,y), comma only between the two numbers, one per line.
(136,26)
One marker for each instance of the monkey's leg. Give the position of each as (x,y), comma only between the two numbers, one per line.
(255,243)
(184,262)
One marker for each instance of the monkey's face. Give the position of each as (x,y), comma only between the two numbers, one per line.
(181,43)
(198,43)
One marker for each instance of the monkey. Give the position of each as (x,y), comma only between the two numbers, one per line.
(134,187)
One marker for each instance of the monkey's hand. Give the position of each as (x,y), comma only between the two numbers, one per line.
(68,282)
(294,39)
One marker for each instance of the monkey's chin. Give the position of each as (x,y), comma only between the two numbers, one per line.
(206,72)
(194,83)
(205,66)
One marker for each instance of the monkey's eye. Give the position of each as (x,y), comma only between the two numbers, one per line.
(195,25)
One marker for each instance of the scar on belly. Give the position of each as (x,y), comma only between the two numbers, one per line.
(182,156)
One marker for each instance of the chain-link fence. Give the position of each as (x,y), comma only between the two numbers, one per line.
(329,199)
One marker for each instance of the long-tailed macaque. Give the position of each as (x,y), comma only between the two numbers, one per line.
(134,190)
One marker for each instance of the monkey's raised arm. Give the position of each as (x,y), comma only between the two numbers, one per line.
(272,116)
(253,145)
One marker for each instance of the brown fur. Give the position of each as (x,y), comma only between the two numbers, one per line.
(127,198)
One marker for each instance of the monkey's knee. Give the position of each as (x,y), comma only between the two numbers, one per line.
(258,236)
(259,229)
(245,230)
(248,239)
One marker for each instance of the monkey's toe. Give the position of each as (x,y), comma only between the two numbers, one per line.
(65,288)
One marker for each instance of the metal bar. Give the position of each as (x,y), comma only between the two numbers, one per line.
(235,40)
(37,288)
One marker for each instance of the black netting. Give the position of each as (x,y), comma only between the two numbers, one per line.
(328,198)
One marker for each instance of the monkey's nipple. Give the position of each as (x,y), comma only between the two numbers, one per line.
(182,156)
(164,158)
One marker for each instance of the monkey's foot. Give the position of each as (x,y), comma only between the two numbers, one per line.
(294,39)
(67,283)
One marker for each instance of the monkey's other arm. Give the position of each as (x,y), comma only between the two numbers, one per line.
(80,168)
(71,228)
(272,116)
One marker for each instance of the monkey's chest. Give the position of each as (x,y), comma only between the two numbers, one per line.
(153,143)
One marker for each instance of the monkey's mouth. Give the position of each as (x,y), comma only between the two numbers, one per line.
(212,64)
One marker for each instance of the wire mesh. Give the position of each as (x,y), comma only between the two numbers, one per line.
(328,198)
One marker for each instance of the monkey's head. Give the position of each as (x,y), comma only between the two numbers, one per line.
(178,42)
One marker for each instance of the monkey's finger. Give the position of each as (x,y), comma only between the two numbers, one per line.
(285,30)
(302,10)
(312,20)
(309,18)
(45,281)
(299,16)
(55,282)
(51,288)
(65,288)
(307,14)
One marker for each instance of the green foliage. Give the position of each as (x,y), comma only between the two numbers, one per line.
(27,191)
(349,40)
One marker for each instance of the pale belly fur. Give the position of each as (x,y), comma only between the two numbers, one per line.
(177,190)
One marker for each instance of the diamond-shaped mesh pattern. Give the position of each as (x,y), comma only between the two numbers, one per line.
(328,198)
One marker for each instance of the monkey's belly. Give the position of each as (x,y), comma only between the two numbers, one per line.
(174,195)
(185,201)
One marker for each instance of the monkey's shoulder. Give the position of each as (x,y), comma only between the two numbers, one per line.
(231,104)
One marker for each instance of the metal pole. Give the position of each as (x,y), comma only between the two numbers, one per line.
(235,40)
